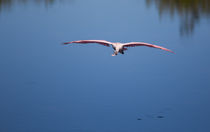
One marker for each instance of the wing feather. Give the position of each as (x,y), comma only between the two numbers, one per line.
(102,42)
(133,44)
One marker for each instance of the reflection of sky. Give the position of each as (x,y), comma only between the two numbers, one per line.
(46,86)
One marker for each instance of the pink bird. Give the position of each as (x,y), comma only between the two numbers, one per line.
(119,47)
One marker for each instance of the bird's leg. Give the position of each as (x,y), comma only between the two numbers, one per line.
(115,53)
(121,51)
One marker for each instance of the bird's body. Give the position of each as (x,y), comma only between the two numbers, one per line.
(119,47)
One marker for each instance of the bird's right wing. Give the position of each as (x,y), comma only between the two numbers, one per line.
(102,42)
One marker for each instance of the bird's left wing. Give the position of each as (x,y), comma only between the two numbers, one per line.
(102,42)
(133,44)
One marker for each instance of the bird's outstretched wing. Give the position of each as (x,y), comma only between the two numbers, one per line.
(102,42)
(133,44)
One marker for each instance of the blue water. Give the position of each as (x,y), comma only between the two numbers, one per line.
(49,87)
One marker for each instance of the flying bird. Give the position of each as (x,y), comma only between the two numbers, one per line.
(119,47)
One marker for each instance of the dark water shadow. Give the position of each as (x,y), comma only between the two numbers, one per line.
(156,115)
(190,12)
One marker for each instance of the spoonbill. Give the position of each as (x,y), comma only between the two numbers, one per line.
(119,47)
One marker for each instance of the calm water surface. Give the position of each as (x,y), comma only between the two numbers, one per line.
(48,87)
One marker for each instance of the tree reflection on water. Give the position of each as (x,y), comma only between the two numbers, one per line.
(189,11)
(7,4)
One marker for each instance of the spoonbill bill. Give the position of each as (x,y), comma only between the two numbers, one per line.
(119,47)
